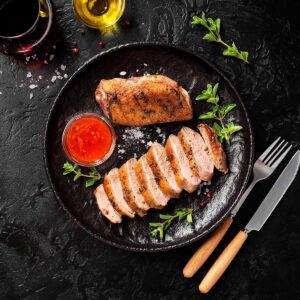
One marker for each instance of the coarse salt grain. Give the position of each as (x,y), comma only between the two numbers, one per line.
(40,76)
(66,76)
(0,93)
(45,62)
(29,75)
(53,78)
(30,96)
(33,86)
(123,73)
(51,56)
(62,67)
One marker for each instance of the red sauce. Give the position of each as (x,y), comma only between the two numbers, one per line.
(88,139)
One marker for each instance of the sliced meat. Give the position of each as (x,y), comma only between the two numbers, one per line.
(214,146)
(180,165)
(149,188)
(145,100)
(197,153)
(113,189)
(105,205)
(131,188)
(162,170)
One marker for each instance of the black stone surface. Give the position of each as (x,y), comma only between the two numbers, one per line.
(44,255)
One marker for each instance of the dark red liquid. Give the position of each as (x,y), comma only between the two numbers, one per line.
(17,16)
(22,28)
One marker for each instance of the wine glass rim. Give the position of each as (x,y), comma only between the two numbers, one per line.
(28,30)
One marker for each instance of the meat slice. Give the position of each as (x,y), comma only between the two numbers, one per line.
(105,205)
(145,100)
(180,165)
(162,170)
(149,188)
(197,153)
(214,146)
(131,188)
(113,189)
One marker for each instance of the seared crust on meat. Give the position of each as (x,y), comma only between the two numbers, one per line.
(149,188)
(214,146)
(162,170)
(197,153)
(161,173)
(145,100)
(180,165)
(105,205)
(130,186)
(113,189)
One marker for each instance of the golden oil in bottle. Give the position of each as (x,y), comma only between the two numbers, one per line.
(99,13)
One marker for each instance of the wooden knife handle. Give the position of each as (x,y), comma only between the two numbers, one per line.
(206,249)
(222,263)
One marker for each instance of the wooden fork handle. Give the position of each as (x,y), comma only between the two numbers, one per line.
(206,249)
(222,263)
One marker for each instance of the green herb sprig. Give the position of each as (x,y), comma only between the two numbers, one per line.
(214,27)
(93,175)
(180,213)
(218,113)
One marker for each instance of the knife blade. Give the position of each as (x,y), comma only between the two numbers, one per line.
(275,195)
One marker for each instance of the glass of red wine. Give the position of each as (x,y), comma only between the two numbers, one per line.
(24,24)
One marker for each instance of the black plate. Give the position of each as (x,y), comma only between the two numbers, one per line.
(193,73)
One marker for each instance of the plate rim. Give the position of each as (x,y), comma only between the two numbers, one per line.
(159,248)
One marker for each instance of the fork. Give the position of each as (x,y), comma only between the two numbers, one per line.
(263,168)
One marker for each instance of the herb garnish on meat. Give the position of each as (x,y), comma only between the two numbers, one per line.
(218,113)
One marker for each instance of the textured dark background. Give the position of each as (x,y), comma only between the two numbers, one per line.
(44,255)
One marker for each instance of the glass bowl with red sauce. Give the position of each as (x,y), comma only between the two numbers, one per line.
(88,139)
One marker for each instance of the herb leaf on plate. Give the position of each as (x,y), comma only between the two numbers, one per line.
(92,177)
(218,113)
(213,35)
(180,214)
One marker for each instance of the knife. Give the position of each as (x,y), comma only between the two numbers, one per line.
(255,224)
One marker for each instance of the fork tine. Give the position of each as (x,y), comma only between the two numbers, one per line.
(263,156)
(278,161)
(275,152)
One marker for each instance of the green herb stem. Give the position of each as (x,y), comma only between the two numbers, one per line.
(214,35)
(160,228)
(218,113)
(93,175)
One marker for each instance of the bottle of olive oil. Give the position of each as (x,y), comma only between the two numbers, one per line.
(99,13)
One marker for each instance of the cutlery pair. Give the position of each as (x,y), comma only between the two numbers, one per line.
(263,168)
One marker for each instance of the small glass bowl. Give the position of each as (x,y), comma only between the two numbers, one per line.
(99,161)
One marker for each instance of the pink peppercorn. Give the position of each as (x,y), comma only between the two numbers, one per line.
(101,44)
(202,203)
(127,22)
(208,195)
(75,50)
